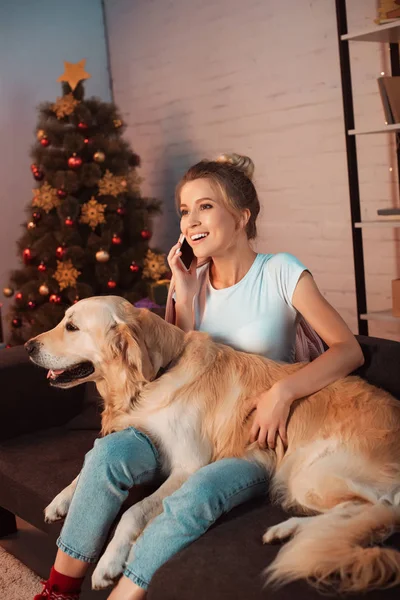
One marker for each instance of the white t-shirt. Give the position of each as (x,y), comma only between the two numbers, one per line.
(256,314)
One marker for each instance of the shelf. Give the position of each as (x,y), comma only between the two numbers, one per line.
(383,129)
(381,223)
(390,32)
(382,315)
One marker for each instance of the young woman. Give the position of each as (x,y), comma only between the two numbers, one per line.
(250,301)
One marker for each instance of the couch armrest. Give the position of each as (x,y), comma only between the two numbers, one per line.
(382,360)
(27,402)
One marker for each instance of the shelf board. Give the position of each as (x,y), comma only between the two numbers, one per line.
(384,129)
(380,223)
(381,315)
(390,32)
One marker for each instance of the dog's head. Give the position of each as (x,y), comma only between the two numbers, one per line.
(97,337)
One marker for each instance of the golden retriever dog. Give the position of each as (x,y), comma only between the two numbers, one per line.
(341,467)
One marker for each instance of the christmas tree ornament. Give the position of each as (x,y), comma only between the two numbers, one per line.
(36,216)
(38,175)
(55,299)
(87,141)
(31,225)
(110,185)
(99,156)
(16,322)
(27,255)
(45,197)
(102,256)
(154,265)
(44,142)
(64,106)
(76,300)
(8,292)
(146,234)
(44,290)
(74,73)
(116,239)
(69,222)
(61,194)
(40,134)
(34,167)
(60,251)
(74,162)
(31,304)
(124,183)
(66,274)
(117,123)
(18,296)
(92,213)
(111,284)
(134,267)
(42,268)
(121,210)
(83,126)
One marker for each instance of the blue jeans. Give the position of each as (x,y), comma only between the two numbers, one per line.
(126,458)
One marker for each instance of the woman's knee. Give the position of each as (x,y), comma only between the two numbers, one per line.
(117,448)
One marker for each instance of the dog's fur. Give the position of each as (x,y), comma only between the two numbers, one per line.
(342,463)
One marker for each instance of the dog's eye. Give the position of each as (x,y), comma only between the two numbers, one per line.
(71,327)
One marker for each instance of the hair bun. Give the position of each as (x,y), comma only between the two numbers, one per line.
(242,163)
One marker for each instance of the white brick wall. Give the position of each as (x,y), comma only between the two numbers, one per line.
(261,78)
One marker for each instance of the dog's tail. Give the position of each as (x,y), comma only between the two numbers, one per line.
(330,550)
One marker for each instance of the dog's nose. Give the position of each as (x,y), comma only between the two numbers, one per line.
(31,346)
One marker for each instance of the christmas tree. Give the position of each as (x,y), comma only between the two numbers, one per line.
(88,227)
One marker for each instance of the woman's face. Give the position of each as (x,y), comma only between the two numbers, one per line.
(208,226)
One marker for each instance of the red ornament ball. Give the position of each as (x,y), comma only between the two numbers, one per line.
(42,267)
(38,175)
(32,304)
(16,322)
(83,126)
(44,142)
(134,267)
(76,300)
(27,256)
(55,299)
(111,284)
(34,167)
(36,216)
(69,222)
(74,162)
(121,210)
(116,240)
(61,194)
(60,251)
(146,234)
(18,296)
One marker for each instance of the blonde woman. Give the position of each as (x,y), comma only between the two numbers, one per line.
(251,301)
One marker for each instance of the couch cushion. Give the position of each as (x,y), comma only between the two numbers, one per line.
(227,562)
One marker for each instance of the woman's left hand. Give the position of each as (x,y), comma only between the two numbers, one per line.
(271,415)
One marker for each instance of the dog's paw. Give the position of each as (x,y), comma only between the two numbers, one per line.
(57,509)
(110,566)
(282,531)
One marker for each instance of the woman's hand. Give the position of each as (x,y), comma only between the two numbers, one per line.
(272,412)
(185,281)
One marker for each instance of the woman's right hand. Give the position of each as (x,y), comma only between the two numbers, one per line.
(185,281)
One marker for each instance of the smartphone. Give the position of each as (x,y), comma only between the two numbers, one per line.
(187,252)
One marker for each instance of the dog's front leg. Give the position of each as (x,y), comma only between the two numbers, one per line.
(58,508)
(131,525)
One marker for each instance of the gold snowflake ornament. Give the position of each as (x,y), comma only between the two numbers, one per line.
(65,105)
(154,265)
(45,197)
(112,185)
(93,213)
(66,274)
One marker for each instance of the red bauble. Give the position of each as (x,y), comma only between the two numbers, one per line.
(146,234)
(111,284)
(36,216)
(76,300)
(74,162)
(55,299)
(82,126)
(60,251)
(61,194)
(18,296)
(116,240)
(134,267)
(69,222)
(27,256)
(16,322)
(42,267)
(121,210)
(38,175)
(32,304)
(34,167)
(86,140)
(44,142)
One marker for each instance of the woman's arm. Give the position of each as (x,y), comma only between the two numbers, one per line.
(184,316)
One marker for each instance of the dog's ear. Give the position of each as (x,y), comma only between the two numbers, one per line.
(127,343)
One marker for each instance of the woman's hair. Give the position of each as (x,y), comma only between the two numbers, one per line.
(231,176)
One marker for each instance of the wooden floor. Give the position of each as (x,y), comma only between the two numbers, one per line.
(36,550)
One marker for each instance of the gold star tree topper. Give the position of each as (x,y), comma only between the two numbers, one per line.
(74,73)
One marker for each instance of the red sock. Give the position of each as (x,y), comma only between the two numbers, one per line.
(61,587)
